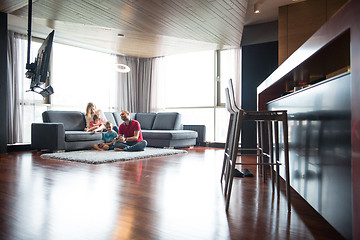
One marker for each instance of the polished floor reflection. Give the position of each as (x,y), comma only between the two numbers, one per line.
(172,197)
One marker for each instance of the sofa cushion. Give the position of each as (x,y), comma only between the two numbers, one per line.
(133,115)
(118,119)
(146,120)
(72,120)
(167,121)
(169,134)
(76,136)
(110,117)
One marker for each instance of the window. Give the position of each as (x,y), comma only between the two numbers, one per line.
(80,76)
(229,62)
(189,80)
(191,88)
(230,67)
(26,101)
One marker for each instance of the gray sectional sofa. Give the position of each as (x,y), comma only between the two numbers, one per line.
(64,130)
(160,129)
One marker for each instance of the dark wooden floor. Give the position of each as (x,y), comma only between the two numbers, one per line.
(172,197)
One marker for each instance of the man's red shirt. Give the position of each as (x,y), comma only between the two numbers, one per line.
(128,130)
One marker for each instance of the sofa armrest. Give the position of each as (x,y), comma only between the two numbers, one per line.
(48,136)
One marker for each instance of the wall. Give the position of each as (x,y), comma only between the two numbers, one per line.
(260,33)
(258,62)
(3,80)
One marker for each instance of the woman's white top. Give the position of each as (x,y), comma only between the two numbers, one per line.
(101,114)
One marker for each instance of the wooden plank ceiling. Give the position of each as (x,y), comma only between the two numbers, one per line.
(151,27)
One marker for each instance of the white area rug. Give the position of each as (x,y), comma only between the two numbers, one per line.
(94,157)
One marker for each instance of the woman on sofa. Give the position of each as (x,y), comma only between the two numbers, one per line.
(89,115)
(96,125)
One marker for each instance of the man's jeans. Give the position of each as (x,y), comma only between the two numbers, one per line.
(131,146)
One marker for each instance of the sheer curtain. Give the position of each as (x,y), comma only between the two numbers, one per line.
(230,67)
(237,74)
(17,48)
(133,88)
(125,83)
(157,90)
(144,85)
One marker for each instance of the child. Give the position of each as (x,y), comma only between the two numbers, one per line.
(96,125)
(109,138)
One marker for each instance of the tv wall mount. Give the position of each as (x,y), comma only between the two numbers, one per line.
(38,70)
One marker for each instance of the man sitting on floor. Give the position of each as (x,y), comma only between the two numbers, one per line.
(130,136)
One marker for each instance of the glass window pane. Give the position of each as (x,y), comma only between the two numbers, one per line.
(26,104)
(221,124)
(80,76)
(189,79)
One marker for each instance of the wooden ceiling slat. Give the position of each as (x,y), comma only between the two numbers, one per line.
(170,25)
(176,16)
(219,22)
(207,25)
(230,18)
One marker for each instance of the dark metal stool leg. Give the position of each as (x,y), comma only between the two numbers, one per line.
(277,156)
(286,157)
(271,152)
(227,146)
(258,146)
(232,143)
(262,145)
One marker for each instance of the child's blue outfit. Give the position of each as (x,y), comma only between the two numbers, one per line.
(109,137)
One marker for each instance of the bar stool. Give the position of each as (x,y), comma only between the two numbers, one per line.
(228,136)
(233,109)
(269,120)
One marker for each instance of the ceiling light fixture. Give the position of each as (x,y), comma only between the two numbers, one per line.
(122,68)
(256,8)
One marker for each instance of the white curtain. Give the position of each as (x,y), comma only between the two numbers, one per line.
(133,88)
(237,74)
(230,67)
(17,85)
(125,83)
(157,91)
(144,84)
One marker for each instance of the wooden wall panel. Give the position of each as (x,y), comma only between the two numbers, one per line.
(298,22)
(282,30)
(332,6)
(304,19)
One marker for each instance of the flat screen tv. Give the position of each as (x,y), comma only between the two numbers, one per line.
(38,71)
